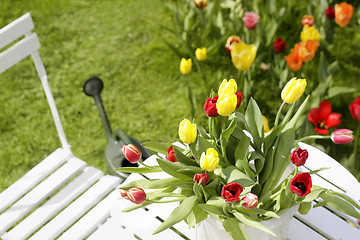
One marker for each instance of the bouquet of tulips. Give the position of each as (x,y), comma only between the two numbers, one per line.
(235,171)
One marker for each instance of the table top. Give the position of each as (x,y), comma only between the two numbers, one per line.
(319,223)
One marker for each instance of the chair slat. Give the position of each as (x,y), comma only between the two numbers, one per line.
(96,216)
(33,177)
(337,174)
(40,193)
(19,51)
(16,29)
(111,230)
(59,201)
(299,231)
(330,225)
(78,208)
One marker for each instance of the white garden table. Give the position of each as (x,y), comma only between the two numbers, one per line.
(319,223)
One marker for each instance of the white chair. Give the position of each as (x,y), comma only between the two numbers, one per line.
(89,194)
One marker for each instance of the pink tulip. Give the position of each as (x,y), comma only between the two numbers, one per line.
(342,136)
(251,201)
(123,193)
(250,20)
(131,153)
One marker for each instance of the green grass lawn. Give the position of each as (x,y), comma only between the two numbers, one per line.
(119,41)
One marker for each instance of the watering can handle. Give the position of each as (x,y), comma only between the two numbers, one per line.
(122,136)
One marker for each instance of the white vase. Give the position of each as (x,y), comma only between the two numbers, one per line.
(212,229)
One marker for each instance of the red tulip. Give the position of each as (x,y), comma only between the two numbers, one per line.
(136,195)
(131,153)
(354,108)
(201,178)
(301,184)
(231,192)
(171,154)
(230,40)
(299,157)
(330,12)
(279,45)
(323,118)
(342,136)
(210,107)
(307,20)
(251,201)
(239,98)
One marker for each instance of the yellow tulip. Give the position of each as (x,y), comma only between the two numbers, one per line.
(266,125)
(200,54)
(242,55)
(185,66)
(293,90)
(226,104)
(227,87)
(187,131)
(210,160)
(309,33)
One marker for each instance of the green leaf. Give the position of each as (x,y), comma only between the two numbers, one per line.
(202,132)
(346,197)
(172,168)
(153,183)
(139,169)
(184,159)
(248,221)
(313,195)
(179,214)
(254,122)
(212,209)
(335,91)
(197,215)
(242,151)
(340,204)
(233,174)
(236,229)
(298,114)
(304,208)
(157,147)
(268,166)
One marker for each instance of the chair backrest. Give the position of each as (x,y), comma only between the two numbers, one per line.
(29,45)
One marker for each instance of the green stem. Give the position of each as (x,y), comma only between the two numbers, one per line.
(203,19)
(356,141)
(147,166)
(166,201)
(278,114)
(312,137)
(202,75)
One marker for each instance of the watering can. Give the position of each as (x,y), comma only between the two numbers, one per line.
(115,139)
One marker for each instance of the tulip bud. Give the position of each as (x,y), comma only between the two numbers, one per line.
(201,178)
(251,201)
(200,54)
(354,108)
(239,98)
(171,154)
(187,131)
(210,160)
(307,20)
(226,104)
(227,87)
(200,3)
(210,107)
(136,195)
(250,20)
(123,193)
(230,41)
(293,90)
(343,14)
(309,33)
(342,136)
(279,45)
(330,12)
(299,157)
(131,153)
(185,66)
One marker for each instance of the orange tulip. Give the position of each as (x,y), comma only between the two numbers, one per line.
(343,14)
(307,49)
(294,60)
